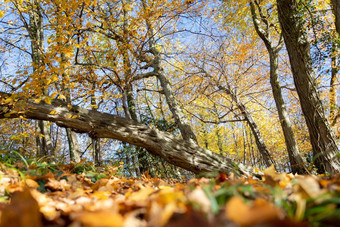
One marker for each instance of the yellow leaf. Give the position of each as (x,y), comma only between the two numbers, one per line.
(22,211)
(54,94)
(32,183)
(38,100)
(61,96)
(21,117)
(53,112)
(48,100)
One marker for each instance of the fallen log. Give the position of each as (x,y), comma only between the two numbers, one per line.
(174,150)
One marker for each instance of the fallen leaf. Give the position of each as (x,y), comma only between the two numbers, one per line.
(199,197)
(32,183)
(105,218)
(260,211)
(22,211)
(309,185)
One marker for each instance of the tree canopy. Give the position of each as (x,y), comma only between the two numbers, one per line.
(213,73)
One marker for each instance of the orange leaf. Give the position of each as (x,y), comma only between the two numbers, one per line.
(22,211)
(99,218)
(260,212)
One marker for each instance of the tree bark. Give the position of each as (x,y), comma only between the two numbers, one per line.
(296,162)
(325,149)
(102,125)
(264,151)
(175,108)
(333,109)
(35,31)
(336,12)
(95,140)
(73,146)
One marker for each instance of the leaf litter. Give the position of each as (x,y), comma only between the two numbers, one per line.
(64,198)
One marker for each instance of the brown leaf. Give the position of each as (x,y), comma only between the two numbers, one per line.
(99,219)
(22,211)
(261,211)
(190,219)
(32,183)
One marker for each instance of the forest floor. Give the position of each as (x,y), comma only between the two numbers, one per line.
(74,195)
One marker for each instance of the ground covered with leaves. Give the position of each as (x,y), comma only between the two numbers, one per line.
(42,194)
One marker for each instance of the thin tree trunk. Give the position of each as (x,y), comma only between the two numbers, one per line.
(175,108)
(74,149)
(219,141)
(295,159)
(332,90)
(325,149)
(35,30)
(264,151)
(95,139)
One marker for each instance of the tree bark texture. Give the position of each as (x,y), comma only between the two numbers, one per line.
(336,12)
(102,125)
(325,149)
(333,109)
(296,162)
(174,106)
(35,31)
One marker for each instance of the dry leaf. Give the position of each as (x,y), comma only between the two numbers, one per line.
(22,211)
(260,211)
(198,196)
(32,183)
(99,219)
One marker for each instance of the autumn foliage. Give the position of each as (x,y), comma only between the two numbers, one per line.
(169,113)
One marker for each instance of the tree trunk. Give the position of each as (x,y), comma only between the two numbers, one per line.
(94,138)
(325,149)
(74,150)
(333,109)
(336,12)
(273,51)
(102,125)
(264,151)
(35,31)
(73,146)
(295,159)
(175,108)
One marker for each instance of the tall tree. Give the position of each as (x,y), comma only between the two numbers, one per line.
(174,106)
(36,34)
(263,27)
(261,145)
(324,146)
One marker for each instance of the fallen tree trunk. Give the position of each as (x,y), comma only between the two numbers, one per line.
(103,125)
